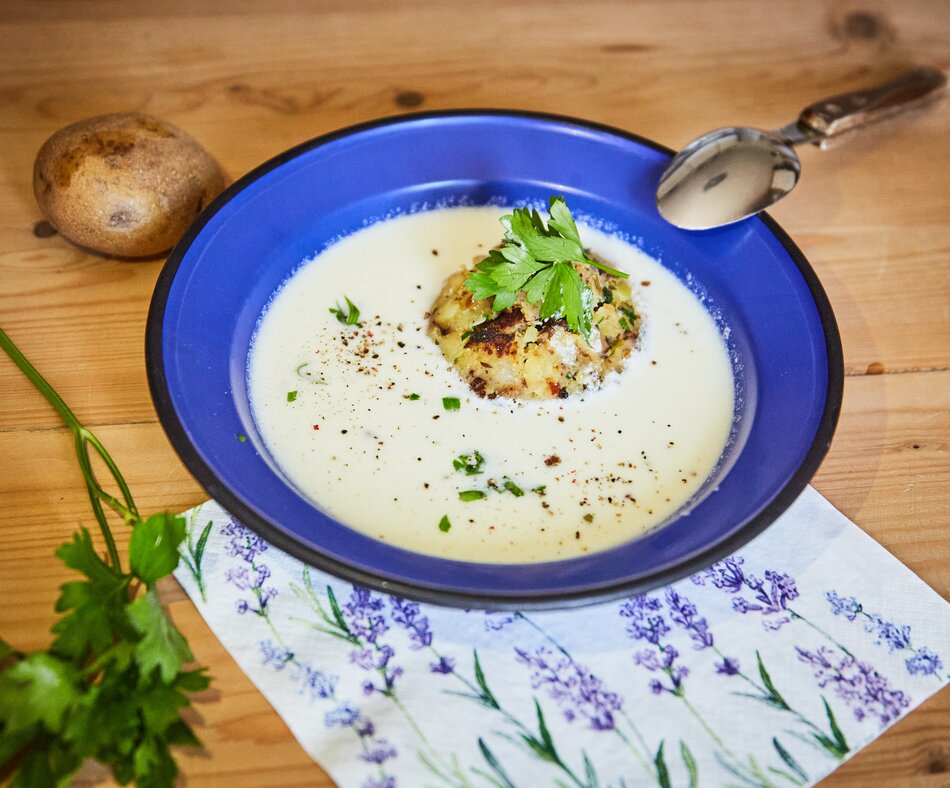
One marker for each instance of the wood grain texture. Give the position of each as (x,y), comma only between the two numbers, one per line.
(250,78)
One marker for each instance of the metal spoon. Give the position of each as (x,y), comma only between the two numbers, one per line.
(732,173)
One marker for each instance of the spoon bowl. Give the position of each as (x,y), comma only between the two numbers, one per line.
(725,176)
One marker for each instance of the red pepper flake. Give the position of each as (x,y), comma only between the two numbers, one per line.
(316,426)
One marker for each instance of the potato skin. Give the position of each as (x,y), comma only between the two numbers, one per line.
(125,185)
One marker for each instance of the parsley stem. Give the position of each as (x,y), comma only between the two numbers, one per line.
(83,438)
(606,268)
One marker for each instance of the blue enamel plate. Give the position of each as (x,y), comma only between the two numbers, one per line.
(216,283)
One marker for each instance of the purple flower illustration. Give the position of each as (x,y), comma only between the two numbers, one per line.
(244,543)
(271,654)
(250,576)
(865,690)
(728,667)
(495,620)
(895,636)
(575,689)
(408,615)
(445,665)
(344,716)
(770,596)
(683,614)
(924,662)
(849,607)
(645,621)
(380,752)
(318,683)
(365,615)
(386,781)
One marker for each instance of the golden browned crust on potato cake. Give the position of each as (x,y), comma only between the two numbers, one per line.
(513,353)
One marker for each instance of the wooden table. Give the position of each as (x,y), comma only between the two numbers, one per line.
(250,79)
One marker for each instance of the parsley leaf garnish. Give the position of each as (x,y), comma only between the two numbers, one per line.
(351,317)
(471,495)
(444,524)
(539,261)
(451,403)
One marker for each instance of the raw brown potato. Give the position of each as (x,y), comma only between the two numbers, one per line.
(126,185)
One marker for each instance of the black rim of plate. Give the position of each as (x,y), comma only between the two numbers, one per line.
(206,477)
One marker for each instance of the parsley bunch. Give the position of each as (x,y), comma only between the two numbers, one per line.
(111,686)
(539,261)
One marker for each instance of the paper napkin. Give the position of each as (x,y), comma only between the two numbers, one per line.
(769,668)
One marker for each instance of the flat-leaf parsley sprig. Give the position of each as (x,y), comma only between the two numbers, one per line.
(111,686)
(540,261)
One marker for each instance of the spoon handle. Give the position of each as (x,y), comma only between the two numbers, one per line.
(836,115)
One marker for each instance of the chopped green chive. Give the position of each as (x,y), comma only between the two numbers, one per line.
(444,524)
(291,396)
(624,325)
(466,334)
(608,296)
(471,495)
(451,403)
(513,488)
(471,464)
(350,317)
(539,490)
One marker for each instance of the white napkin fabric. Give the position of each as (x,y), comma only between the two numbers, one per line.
(770,668)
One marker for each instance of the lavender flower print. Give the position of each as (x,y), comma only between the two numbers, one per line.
(683,614)
(247,546)
(924,662)
(576,690)
(387,781)
(770,596)
(895,636)
(409,615)
(861,687)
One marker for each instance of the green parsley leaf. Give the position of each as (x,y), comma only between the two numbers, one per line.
(561,219)
(413,397)
(161,646)
(291,396)
(241,437)
(444,524)
(540,262)
(350,317)
(471,495)
(37,689)
(451,403)
(539,490)
(153,548)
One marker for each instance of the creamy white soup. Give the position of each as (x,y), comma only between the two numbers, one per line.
(363,418)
